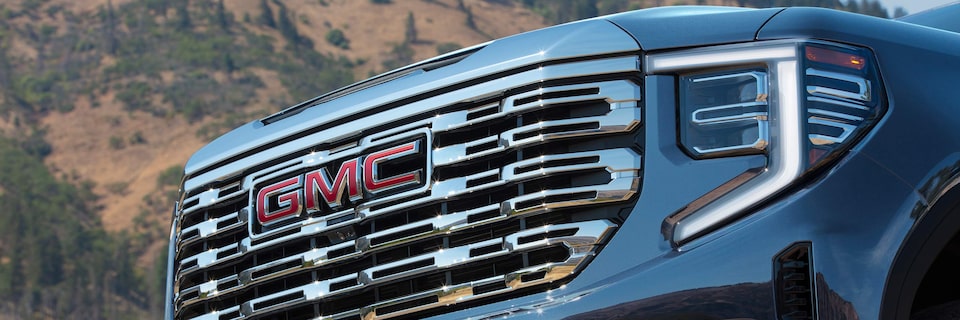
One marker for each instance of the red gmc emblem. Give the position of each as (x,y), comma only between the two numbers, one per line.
(322,189)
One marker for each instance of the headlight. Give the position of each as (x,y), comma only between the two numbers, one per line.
(724,113)
(800,103)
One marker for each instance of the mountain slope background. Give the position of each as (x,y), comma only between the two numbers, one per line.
(102,101)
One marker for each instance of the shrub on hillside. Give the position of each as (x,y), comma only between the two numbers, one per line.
(337,38)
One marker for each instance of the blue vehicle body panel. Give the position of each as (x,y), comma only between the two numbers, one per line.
(866,216)
(728,274)
(917,99)
(527,49)
(857,228)
(670,27)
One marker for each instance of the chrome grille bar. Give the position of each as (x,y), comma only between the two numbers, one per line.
(213,227)
(621,163)
(226,271)
(579,245)
(428,106)
(619,119)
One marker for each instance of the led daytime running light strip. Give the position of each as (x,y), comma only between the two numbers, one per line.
(787,141)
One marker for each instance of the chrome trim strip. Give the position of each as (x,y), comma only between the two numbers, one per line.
(428,105)
(837,115)
(820,139)
(205,290)
(622,164)
(611,91)
(587,235)
(185,209)
(697,119)
(210,258)
(216,314)
(710,57)
(863,85)
(458,186)
(760,118)
(838,103)
(458,152)
(172,284)
(211,228)
(760,143)
(618,120)
(623,117)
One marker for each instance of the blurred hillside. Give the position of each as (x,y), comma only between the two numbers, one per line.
(102,101)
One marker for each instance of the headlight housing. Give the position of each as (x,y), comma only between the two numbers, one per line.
(799,103)
(724,113)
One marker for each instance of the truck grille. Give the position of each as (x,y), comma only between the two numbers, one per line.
(527,176)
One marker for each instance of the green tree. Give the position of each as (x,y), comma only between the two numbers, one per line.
(287,28)
(183,17)
(228,65)
(337,38)
(170,177)
(410,34)
(108,18)
(899,12)
(223,20)
(468,21)
(135,95)
(266,15)
(157,6)
(400,55)
(54,251)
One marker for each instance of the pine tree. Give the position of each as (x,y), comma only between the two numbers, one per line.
(287,28)
(411,29)
(183,17)
(228,64)
(266,15)
(109,19)
(899,12)
(222,18)
(469,20)
(158,6)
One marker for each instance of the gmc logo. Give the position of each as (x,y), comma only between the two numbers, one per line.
(356,179)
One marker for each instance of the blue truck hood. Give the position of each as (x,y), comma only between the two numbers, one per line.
(650,29)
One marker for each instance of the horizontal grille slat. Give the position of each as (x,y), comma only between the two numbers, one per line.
(838,104)
(618,189)
(587,235)
(536,76)
(213,227)
(522,186)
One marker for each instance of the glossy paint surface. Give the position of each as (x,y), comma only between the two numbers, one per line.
(561,42)
(858,213)
(855,216)
(678,27)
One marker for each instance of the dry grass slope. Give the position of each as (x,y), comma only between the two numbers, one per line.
(83,139)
